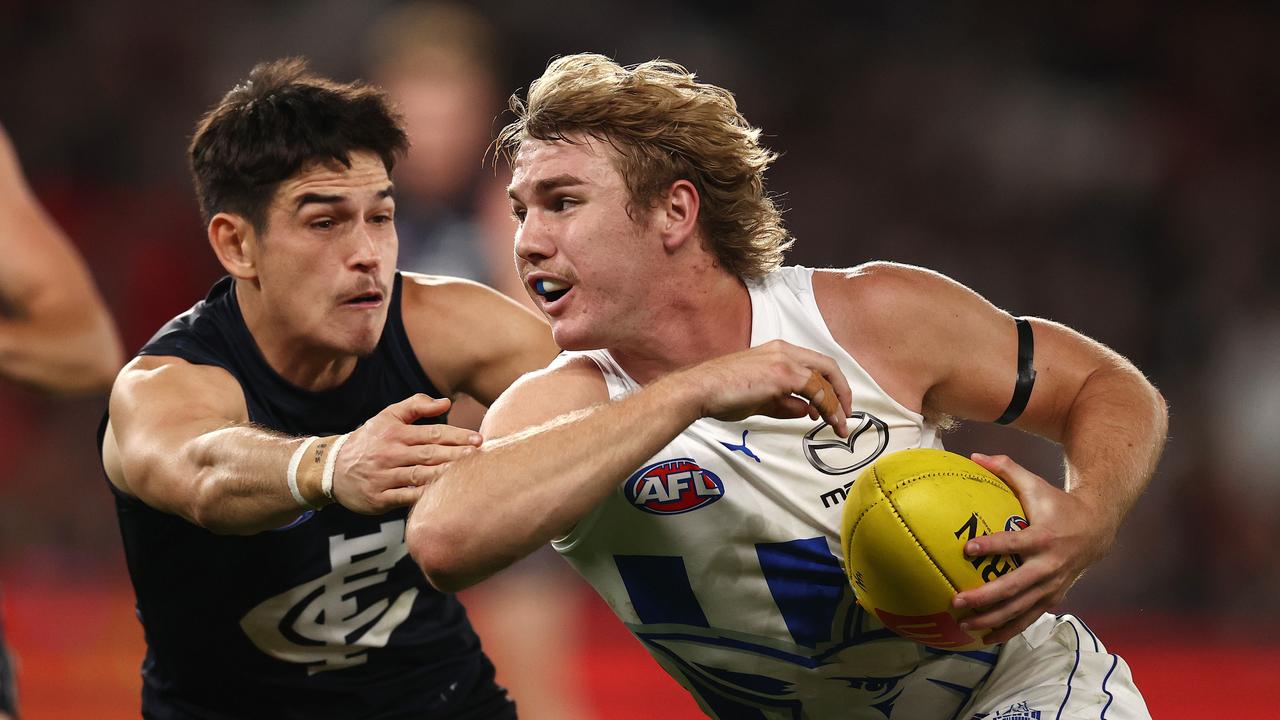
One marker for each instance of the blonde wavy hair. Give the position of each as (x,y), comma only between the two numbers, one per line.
(666,126)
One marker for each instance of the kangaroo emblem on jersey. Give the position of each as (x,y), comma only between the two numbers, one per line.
(671,487)
(1017,711)
(320,623)
(742,448)
(829,453)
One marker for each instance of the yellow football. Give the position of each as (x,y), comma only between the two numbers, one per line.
(903,532)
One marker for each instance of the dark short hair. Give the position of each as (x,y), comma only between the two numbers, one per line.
(278,119)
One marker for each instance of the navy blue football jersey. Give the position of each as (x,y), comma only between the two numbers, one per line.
(327,617)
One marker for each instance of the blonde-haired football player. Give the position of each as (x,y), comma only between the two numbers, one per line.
(687,453)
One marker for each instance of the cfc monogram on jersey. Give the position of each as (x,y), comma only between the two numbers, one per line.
(325,611)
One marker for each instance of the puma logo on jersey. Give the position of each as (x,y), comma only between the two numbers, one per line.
(326,613)
(742,448)
(671,487)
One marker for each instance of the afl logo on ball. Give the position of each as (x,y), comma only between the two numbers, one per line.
(1014,524)
(834,455)
(672,487)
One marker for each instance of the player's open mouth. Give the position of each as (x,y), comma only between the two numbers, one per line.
(371,298)
(551,290)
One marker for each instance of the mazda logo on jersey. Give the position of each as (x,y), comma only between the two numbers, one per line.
(672,487)
(834,455)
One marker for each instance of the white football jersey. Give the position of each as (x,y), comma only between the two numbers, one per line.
(722,552)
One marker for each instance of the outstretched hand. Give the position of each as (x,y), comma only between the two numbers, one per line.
(777,379)
(1066,536)
(386,462)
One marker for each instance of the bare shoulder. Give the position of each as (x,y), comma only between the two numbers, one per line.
(900,322)
(151,385)
(445,297)
(570,383)
(882,287)
(438,304)
(459,327)
(883,298)
(157,402)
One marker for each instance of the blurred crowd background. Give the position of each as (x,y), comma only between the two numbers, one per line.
(1111,165)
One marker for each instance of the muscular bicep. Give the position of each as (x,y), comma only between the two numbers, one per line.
(970,349)
(980,380)
(1063,361)
(942,348)
(159,407)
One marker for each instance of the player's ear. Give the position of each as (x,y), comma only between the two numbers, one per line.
(679,218)
(235,242)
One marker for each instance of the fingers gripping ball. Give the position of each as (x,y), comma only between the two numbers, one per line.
(905,525)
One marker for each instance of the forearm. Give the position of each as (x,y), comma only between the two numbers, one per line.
(55,331)
(1114,436)
(239,480)
(60,354)
(519,492)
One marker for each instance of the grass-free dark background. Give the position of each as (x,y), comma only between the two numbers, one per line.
(1112,165)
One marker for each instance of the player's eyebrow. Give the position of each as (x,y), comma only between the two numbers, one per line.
(554,182)
(320,199)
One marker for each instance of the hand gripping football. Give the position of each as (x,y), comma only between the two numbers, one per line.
(906,521)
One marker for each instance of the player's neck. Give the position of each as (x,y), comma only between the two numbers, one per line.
(709,318)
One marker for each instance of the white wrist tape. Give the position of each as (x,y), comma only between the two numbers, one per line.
(326,480)
(292,474)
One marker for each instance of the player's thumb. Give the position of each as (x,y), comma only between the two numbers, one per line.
(418,406)
(1022,481)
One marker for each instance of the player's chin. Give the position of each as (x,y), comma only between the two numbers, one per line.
(569,337)
(365,348)
(361,338)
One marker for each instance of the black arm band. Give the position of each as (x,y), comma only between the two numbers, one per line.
(1026,373)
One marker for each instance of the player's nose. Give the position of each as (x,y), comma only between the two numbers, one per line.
(367,250)
(533,239)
